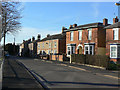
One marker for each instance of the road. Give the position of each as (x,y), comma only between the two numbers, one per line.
(57,75)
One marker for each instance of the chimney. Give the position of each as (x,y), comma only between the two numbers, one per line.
(105,21)
(23,41)
(115,20)
(63,28)
(33,38)
(70,27)
(39,36)
(48,35)
(74,25)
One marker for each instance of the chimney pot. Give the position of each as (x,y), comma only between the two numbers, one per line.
(48,35)
(33,38)
(115,20)
(105,21)
(70,27)
(39,36)
(74,25)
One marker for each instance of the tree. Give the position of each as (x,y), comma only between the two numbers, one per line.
(11,15)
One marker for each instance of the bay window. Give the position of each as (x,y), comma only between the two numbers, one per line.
(114,51)
(70,49)
(89,34)
(89,49)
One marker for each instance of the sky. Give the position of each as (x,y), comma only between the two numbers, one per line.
(49,17)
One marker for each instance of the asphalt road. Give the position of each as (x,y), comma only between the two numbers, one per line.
(16,76)
(57,75)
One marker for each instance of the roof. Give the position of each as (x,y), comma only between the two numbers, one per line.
(85,26)
(116,25)
(55,36)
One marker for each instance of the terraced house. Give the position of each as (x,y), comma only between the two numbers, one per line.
(33,46)
(52,44)
(86,39)
(113,40)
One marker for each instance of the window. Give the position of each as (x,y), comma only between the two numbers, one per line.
(89,34)
(70,50)
(115,33)
(114,51)
(89,49)
(48,51)
(38,52)
(80,35)
(71,36)
(55,44)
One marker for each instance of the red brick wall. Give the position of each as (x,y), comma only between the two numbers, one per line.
(62,46)
(95,36)
(56,57)
(109,40)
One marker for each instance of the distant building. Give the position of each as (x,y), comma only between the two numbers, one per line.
(52,44)
(12,49)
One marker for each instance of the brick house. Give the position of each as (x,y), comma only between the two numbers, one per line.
(86,39)
(52,44)
(33,46)
(113,40)
(24,50)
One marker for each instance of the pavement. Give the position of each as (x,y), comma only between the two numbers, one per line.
(0,74)
(53,74)
(16,76)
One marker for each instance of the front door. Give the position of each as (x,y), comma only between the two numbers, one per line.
(80,50)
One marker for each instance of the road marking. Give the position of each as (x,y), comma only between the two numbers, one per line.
(77,68)
(63,64)
(107,76)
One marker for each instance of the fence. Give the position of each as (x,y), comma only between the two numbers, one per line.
(97,60)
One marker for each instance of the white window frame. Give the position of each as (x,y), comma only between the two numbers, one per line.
(89,34)
(71,35)
(116,33)
(71,50)
(80,34)
(89,49)
(117,51)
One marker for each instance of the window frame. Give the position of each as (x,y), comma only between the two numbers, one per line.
(89,49)
(117,51)
(71,35)
(71,52)
(89,34)
(115,33)
(80,35)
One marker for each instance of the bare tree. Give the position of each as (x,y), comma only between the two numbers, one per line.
(11,15)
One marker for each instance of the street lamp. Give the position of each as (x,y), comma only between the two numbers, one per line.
(118,4)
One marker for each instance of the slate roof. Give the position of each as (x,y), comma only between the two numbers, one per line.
(116,25)
(55,36)
(85,26)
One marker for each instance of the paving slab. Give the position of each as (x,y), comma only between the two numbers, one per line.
(16,76)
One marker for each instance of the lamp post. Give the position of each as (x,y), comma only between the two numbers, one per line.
(118,4)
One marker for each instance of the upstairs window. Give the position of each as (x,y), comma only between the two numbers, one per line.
(71,36)
(49,45)
(43,45)
(116,34)
(80,35)
(38,45)
(89,34)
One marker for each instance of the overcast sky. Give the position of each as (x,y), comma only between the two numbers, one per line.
(49,17)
